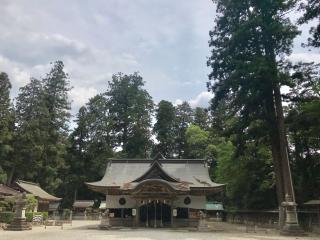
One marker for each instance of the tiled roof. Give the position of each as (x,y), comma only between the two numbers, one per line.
(36,190)
(192,173)
(7,191)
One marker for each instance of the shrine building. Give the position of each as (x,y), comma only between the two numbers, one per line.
(156,192)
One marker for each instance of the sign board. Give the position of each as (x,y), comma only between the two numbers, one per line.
(174,212)
(134,211)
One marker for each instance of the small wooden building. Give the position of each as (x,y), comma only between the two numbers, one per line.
(6,191)
(80,206)
(44,199)
(156,192)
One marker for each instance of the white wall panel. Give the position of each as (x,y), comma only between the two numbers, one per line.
(112,201)
(197,202)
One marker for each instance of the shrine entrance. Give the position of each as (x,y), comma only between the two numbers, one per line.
(155,213)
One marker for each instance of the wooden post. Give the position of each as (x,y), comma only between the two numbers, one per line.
(147,222)
(155,213)
(161,223)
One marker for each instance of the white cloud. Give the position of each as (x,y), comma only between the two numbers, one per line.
(81,95)
(201,100)
(177,102)
(166,41)
(305,57)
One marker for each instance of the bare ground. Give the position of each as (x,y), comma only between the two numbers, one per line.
(87,230)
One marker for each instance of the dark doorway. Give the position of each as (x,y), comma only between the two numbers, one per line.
(155,214)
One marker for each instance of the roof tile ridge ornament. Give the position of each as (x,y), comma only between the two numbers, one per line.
(158,156)
(156,164)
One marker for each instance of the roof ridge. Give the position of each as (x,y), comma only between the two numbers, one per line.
(31,183)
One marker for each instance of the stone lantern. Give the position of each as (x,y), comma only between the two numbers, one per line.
(19,222)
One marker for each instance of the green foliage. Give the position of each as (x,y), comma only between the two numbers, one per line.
(31,202)
(42,112)
(247,43)
(31,132)
(3,176)
(56,87)
(130,109)
(183,119)
(249,177)
(6,125)
(29,215)
(6,217)
(201,118)
(197,140)
(164,127)
(303,121)
(311,10)
(91,144)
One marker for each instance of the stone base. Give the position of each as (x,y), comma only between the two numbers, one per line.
(203,226)
(104,227)
(292,230)
(105,224)
(19,224)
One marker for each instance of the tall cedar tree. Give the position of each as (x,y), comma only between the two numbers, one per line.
(183,119)
(31,131)
(91,144)
(6,126)
(164,128)
(248,40)
(130,108)
(56,87)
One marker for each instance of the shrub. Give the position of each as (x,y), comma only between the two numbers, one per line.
(6,217)
(29,215)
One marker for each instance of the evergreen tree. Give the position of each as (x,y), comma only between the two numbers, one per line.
(6,126)
(91,145)
(164,128)
(247,41)
(55,87)
(31,132)
(130,108)
(183,119)
(201,118)
(311,10)
(303,120)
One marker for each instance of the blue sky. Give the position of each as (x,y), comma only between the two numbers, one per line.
(165,40)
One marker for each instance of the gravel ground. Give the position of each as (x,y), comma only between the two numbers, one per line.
(87,230)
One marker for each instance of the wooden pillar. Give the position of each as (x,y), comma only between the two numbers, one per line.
(161,223)
(155,213)
(137,217)
(147,222)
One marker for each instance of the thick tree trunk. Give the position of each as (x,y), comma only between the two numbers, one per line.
(10,176)
(283,144)
(276,156)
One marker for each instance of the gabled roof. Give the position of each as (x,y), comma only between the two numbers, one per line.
(155,172)
(36,190)
(125,174)
(7,191)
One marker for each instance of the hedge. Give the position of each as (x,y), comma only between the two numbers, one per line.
(29,215)
(6,217)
